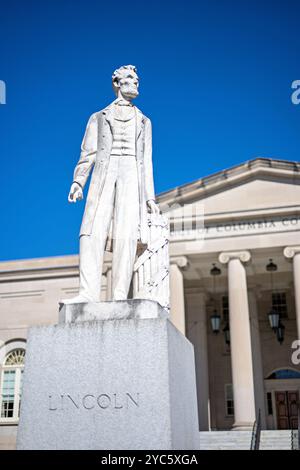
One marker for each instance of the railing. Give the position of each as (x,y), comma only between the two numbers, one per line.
(151,270)
(298,440)
(295,436)
(298,426)
(255,439)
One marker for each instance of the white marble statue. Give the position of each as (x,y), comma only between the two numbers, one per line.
(117,149)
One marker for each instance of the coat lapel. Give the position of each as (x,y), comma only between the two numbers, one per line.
(108,114)
(139,121)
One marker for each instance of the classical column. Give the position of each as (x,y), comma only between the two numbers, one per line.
(240,339)
(258,375)
(177,309)
(197,334)
(293,252)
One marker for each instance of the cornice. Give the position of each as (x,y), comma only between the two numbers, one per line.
(258,167)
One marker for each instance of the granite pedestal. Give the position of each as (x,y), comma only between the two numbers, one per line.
(109,384)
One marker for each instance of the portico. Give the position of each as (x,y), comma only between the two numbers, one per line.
(241,219)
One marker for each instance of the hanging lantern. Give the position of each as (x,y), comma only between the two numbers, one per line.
(226,331)
(215,321)
(215,318)
(271,267)
(215,271)
(273,315)
(273,319)
(280,332)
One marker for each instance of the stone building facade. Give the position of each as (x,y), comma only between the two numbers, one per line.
(234,258)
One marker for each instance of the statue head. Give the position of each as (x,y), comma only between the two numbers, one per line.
(125,82)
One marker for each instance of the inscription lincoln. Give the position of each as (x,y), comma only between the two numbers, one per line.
(117,401)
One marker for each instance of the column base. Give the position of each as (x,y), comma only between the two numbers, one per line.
(242,426)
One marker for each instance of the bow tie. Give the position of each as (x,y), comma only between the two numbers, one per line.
(124,103)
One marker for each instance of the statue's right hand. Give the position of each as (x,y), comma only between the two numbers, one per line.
(75,193)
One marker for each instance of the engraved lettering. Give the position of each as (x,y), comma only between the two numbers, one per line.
(130,397)
(84,404)
(115,402)
(75,404)
(102,399)
(90,401)
(51,408)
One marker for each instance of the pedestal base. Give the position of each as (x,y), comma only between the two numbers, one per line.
(114,384)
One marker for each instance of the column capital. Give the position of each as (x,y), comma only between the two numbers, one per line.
(291,251)
(226,256)
(180,261)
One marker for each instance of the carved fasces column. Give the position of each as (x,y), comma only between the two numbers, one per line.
(177,305)
(108,283)
(240,339)
(293,252)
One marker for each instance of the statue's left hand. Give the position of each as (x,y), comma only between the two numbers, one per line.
(154,208)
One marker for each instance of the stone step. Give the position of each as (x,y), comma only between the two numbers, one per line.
(225,440)
(234,435)
(276,433)
(276,440)
(241,440)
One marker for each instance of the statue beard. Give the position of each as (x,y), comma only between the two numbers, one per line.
(130,92)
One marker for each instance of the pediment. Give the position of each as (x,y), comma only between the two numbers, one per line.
(256,188)
(253,195)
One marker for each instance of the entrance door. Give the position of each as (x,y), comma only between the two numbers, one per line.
(287,409)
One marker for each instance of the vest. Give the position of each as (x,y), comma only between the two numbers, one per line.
(124,136)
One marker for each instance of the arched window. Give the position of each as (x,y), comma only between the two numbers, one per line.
(284,374)
(11,385)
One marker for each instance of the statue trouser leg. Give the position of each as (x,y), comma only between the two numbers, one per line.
(92,246)
(126,220)
(119,195)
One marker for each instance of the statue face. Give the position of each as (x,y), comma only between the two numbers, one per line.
(128,84)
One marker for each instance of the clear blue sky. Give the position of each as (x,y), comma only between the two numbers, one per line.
(215,78)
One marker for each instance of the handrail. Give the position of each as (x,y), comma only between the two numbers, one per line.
(298,426)
(255,438)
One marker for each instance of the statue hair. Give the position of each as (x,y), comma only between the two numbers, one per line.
(118,74)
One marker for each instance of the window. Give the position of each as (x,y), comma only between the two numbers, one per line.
(284,374)
(225,308)
(10,399)
(229,400)
(279,303)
